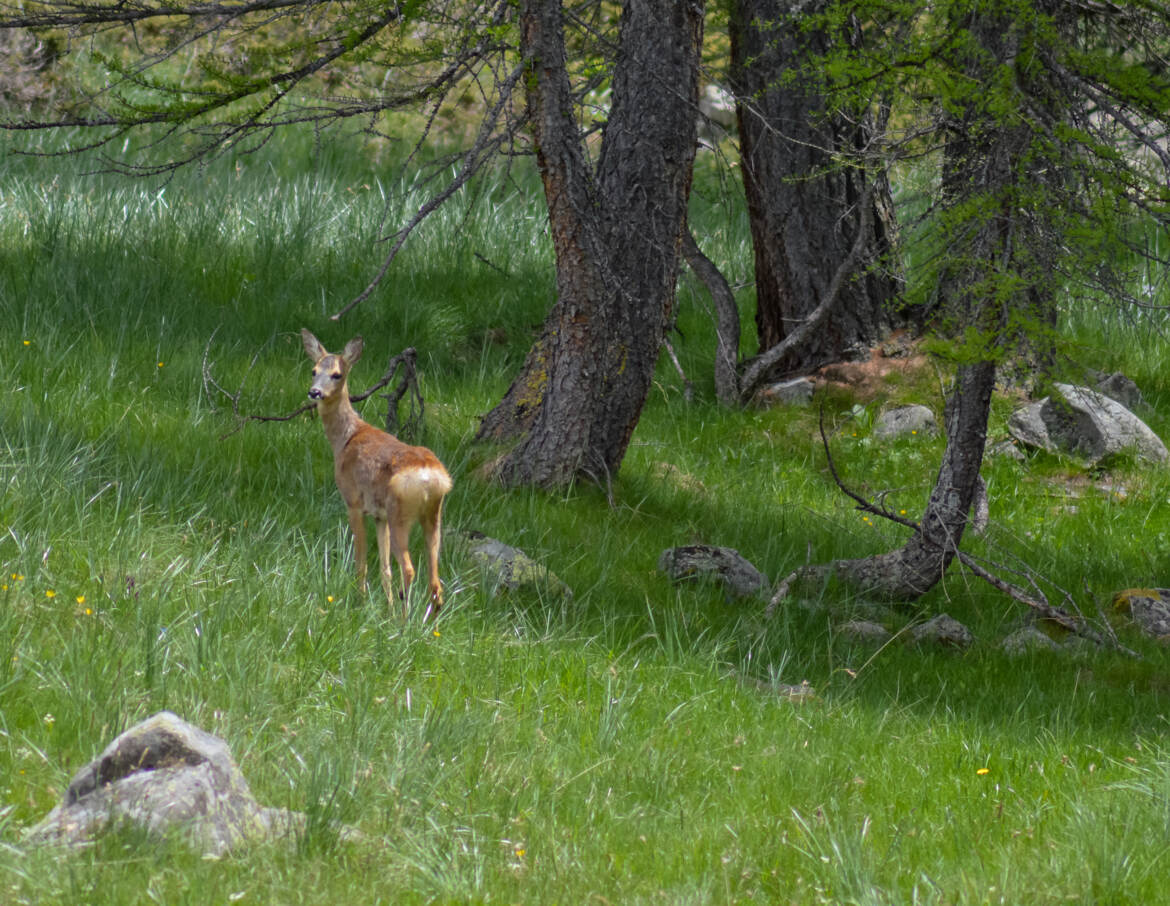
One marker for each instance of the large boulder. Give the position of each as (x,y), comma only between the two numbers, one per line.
(166,777)
(738,576)
(1085,423)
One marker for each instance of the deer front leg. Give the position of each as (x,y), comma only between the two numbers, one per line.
(357,525)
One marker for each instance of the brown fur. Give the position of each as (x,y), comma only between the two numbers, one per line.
(378,475)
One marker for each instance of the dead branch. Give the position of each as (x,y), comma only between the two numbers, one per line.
(487,143)
(1035,599)
(727,327)
(757,372)
(407,383)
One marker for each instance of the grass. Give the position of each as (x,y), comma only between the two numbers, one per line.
(601,748)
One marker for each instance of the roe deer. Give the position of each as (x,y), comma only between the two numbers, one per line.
(378,475)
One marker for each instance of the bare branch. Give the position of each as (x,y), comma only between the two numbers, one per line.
(1037,601)
(727,326)
(127,12)
(485,145)
(407,383)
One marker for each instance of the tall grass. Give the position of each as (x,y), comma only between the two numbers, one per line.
(620,745)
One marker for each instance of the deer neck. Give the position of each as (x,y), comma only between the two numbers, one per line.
(340,420)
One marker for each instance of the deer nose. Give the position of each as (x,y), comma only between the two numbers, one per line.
(314,393)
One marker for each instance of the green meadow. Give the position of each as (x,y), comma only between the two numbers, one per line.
(621,745)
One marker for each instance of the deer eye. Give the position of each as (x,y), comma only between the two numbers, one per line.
(336,375)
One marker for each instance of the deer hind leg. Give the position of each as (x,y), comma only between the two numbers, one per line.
(399,541)
(357,526)
(383,528)
(431,522)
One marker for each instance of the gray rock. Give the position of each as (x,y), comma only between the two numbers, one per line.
(943,631)
(865,631)
(1006,447)
(739,577)
(1149,608)
(509,569)
(797,391)
(1118,387)
(166,777)
(1086,423)
(904,420)
(1027,639)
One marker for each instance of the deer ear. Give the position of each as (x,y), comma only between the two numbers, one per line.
(353,350)
(313,348)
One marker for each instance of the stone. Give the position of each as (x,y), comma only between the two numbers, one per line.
(865,631)
(903,421)
(738,576)
(1008,448)
(795,392)
(943,631)
(165,776)
(1118,387)
(1148,608)
(1027,639)
(509,569)
(1085,423)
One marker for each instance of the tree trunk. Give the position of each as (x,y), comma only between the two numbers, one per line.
(616,229)
(987,276)
(803,203)
(918,565)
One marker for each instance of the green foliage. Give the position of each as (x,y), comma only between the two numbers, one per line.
(617,744)
(1040,121)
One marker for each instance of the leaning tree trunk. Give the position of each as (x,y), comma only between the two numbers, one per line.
(920,563)
(616,229)
(985,280)
(803,204)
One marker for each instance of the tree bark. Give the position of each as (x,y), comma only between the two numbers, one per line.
(616,229)
(918,565)
(987,276)
(803,203)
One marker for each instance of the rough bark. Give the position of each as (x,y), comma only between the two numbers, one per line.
(804,206)
(917,566)
(982,284)
(616,229)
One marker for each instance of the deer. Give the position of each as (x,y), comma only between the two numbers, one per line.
(378,475)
